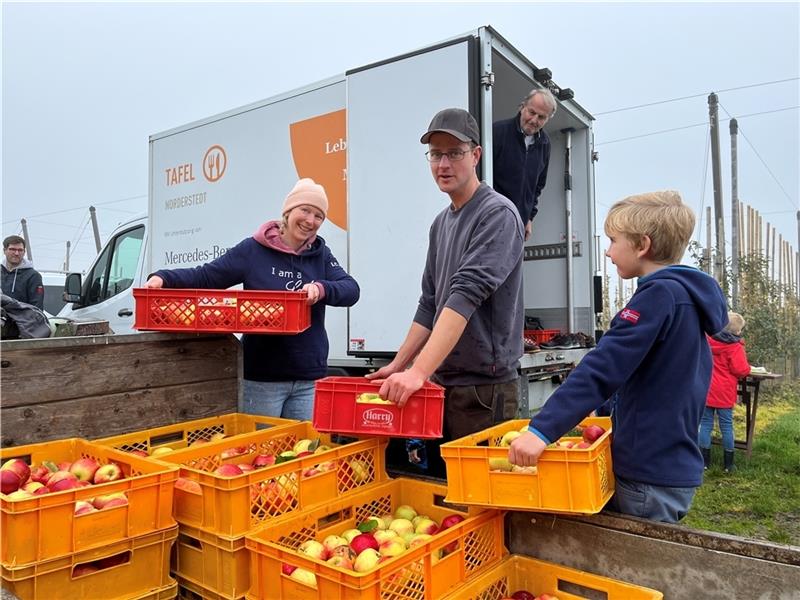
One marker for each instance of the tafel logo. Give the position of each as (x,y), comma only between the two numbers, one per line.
(629,315)
(214,163)
(377,417)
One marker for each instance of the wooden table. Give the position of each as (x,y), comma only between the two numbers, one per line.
(748,395)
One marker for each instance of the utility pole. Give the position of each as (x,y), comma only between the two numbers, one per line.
(716,169)
(27,239)
(734,127)
(66,258)
(708,252)
(797,279)
(97,243)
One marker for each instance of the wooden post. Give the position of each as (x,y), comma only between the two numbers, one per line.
(707,252)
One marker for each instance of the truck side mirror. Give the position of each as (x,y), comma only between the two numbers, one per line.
(72,288)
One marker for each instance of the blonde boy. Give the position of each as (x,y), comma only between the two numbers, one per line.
(654,363)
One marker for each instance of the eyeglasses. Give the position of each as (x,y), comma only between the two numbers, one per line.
(16,250)
(452,155)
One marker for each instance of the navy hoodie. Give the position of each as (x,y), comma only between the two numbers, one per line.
(656,362)
(277,357)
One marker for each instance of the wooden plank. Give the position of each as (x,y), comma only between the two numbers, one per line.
(680,562)
(36,372)
(114,414)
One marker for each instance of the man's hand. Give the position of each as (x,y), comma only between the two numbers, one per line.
(399,387)
(528,230)
(383,372)
(526,450)
(154,282)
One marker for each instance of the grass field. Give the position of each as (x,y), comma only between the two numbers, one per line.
(761,499)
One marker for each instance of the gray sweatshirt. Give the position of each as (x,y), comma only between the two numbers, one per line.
(23,283)
(474,267)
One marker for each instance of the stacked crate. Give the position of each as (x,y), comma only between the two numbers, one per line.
(119,551)
(214,511)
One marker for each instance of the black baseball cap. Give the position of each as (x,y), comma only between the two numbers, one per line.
(455,121)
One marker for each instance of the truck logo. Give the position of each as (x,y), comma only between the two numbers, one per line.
(377,417)
(214,163)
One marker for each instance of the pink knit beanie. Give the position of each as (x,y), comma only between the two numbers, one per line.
(306,191)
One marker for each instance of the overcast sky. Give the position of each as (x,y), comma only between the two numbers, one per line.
(84,85)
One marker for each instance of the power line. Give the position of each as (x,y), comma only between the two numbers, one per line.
(659,132)
(58,212)
(741,87)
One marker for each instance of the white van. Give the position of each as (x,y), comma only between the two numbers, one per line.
(53,282)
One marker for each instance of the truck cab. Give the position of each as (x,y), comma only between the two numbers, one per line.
(106,293)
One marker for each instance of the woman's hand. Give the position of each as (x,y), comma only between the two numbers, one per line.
(154,282)
(312,289)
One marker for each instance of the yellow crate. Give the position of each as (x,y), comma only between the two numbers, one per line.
(180,436)
(421,573)
(516,573)
(43,527)
(166,593)
(232,506)
(132,568)
(215,563)
(188,590)
(566,480)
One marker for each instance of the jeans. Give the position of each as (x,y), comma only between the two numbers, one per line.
(286,399)
(725,417)
(657,503)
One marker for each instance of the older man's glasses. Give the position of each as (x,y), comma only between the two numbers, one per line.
(452,155)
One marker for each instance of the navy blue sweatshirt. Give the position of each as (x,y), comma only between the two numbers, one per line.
(520,172)
(656,362)
(277,357)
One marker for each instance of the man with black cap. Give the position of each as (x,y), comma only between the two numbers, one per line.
(467,332)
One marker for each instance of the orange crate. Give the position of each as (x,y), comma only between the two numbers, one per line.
(539,577)
(420,573)
(336,409)
(541,335)
(215,563)
(225,311)
(132,568)
(180,436)
(44,527)
(232,506)
(566,480)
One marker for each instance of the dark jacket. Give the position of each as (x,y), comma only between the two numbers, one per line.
(656,361)
(277,357)
(23,283)
(730,365)
(520,173)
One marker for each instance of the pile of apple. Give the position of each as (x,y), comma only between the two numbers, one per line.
(373,542)
(526,595)
(19,481)
(589,435)
(304,447)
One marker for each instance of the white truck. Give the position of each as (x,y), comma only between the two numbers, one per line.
(213,181)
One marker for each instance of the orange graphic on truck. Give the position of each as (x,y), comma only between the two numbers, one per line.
(214,163)
(319,150)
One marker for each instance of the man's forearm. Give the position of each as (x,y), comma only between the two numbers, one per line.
(445,335)
(415,339)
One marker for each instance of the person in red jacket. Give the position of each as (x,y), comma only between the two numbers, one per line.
(730,365)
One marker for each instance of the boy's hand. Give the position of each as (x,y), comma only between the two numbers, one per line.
(526,450)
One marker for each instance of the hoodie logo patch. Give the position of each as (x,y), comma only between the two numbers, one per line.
(629,315)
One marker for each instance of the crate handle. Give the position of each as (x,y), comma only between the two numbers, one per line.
(581,589)
(190,542)
(166,438)
(438,500)
(24,457)
(102,564)
(334,517)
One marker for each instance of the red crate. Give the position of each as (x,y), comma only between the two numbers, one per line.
(222,311)
(336,410)
(541,335)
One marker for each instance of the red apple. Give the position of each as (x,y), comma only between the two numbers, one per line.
(110,500)
(451,520)
(245,468)
(138,452)
(32,486)
(228,470)
(20,467)
(581,445)
(592,432)
(41,473)
(363,541)
(84,468)
(106,473)
(522,595)
(62,480)
(287,569)
(83,507)
(9,481)
(85,569)
(64,465)
(231,452)
(263,460)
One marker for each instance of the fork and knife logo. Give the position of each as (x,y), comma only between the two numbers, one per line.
(214,163)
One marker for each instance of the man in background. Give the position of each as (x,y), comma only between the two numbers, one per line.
(522,154)
(19,279)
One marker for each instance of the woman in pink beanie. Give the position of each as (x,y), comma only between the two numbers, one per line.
(280,370)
